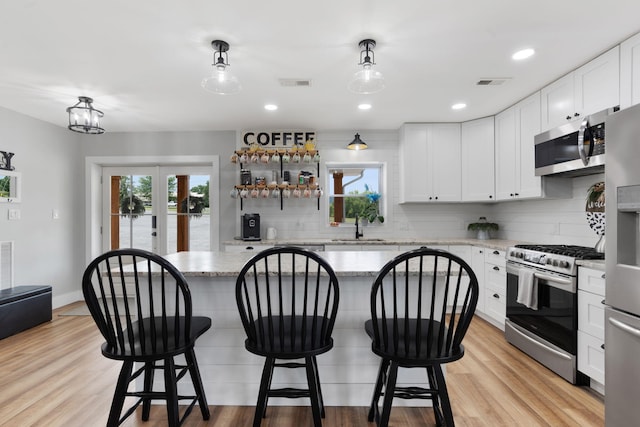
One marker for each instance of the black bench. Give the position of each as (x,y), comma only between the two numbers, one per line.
(23,307)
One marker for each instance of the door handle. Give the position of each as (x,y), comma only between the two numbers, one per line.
(582,133)
(626,328)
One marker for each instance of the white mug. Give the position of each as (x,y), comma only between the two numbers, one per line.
(271,233)
(286,193)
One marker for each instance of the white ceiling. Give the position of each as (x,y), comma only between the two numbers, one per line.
(143,60)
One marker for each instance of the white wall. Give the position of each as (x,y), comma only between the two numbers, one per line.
(47,251)
(561,221)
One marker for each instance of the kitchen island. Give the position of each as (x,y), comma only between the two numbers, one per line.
(231,375)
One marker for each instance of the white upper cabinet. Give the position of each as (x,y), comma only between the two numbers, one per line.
(516,128)
(478,172)
(558,104)
(430,163)
(515,156)
(591,88)
(630,72)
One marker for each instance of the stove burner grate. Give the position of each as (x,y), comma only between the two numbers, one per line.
(578,252)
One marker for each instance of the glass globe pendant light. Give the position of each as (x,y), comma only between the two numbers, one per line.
(367,80)
(221,80)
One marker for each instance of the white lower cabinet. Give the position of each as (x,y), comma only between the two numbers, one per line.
(591,347)
(495,286)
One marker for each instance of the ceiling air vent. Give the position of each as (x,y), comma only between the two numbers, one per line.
(492,82)
(295,82)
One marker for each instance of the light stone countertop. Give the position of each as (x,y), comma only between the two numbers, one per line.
(229,264)
(491,243)
(596,264)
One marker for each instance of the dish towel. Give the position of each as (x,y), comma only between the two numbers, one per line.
(527,289)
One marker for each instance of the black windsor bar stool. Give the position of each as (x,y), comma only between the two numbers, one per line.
(422,303)
(288,300)
(142,306)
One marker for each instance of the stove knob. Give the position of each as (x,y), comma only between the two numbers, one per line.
(519,255)
(549,260)
(563,264)
(555,262)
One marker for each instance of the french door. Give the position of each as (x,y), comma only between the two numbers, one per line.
(162,209)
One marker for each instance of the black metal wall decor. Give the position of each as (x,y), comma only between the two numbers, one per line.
(5,160)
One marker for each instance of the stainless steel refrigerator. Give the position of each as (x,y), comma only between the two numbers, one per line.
(622,314)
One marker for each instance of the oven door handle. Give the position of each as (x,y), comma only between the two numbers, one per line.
(566,282)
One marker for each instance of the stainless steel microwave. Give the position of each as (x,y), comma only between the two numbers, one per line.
(574,149)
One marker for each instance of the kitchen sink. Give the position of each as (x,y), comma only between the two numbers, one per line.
(353,239)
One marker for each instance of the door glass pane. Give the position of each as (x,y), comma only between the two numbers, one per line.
(130,210)
(188,213)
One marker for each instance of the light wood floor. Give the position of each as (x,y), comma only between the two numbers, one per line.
(54,375)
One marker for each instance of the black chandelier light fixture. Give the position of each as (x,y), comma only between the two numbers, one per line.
(357,143)
(221,80)
(83,118)
(367,80)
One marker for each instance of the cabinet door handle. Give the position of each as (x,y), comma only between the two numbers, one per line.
(568,117)
(602,346)
(496,296)
(496,268)
(496,252)
(576,114)
(490,196)
(603,275)
(602,302)
(249,248)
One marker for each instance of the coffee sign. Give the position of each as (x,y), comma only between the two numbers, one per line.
(277,138)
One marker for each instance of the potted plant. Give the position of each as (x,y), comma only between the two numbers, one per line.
(483,228)
(371,210)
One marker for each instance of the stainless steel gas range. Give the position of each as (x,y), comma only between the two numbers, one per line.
(542,304)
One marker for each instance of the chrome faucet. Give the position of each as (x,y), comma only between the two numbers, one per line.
(358,232)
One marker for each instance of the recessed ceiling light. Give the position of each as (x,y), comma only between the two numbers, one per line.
(271,107)
(364,106)
(522,54)
(459,106)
